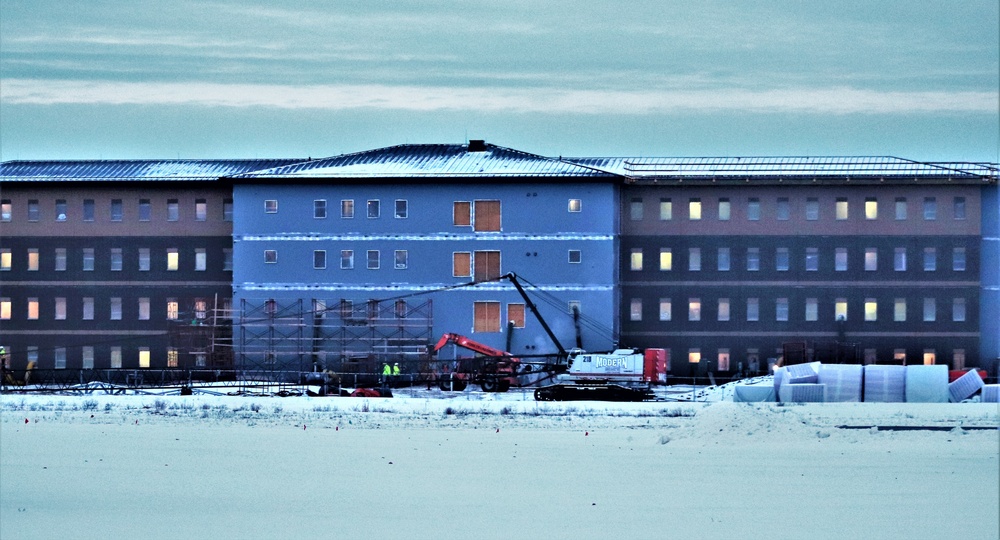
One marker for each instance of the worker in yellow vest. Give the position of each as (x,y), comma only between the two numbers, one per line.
(386,373)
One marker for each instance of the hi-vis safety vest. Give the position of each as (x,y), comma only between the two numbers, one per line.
(386,370)
(395,369)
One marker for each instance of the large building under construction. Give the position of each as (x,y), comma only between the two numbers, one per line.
(348,262)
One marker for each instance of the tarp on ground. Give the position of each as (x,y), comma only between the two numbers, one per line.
(803,393)
(885,384)
(753,393)
(927,384)
(843,381)
(965,386)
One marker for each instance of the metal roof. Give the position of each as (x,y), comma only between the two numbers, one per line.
(137,170)
(695,168)
(433,161)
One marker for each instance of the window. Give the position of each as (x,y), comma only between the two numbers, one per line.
(930,208)
(116,309)
(60,259)
(841,210)
(812,209)
(115,360)
(753,259)
(33,259)
(88,357)
(227,259)
(694,309)
(117,210)
(753,209)
(666,209)
(145,210)
(635,309)
(200,308)
(60,309)
(271,206)
(723,312)
(143,357)
(694,209)
(753,309)
(840,259)
(402,209)
(635,259)
(871,208)
(88,309)
(6,210)
(666,259)
(227,210)
(373,259)
(635,209)
(781,309)
(462,213)
(784,211)
(694,356)
(899,310)
(33,210)
(144,259)
(899,356)
(486,317)
(958,310)
(723,259)
(319,209)
(486,216)
(812,259)
(575,205)
(173,259)
(400,257)
(958,359)
(346,259)
(694,259)
(144,309)
(840,309)
(461,264)
(5,309)
(60,209)
(116,259)
(200,260)
(812,309)
(871,356)
(725,210)
(899,259)
(930,309)
(665,309)
(319,259)
(486,265)
(871,309)
(871,259)
(173,358)
(88,209)
(347,209)
(60,358)
(959,208)
(270,256)
(88,259)
(930,259)
(173,309)
(5,259)
(575,256)
(958,259)
(200,210)
(900,208)
(373,208)
(515,314)
(930,357)
(781,259)
(723,360)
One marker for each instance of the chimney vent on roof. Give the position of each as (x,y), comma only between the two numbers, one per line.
(477,145)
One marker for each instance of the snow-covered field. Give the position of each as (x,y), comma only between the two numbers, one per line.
(491,466)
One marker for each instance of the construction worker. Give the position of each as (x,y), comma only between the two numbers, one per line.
(386,373)
(395,374)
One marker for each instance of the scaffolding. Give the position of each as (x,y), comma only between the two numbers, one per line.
(203,341)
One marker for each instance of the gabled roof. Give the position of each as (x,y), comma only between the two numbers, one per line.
(185,170)
(476,159)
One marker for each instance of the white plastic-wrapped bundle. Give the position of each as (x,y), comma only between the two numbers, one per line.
(843,381)
(965,386)
(991,393)
(803,373)
(803,393)
(753,393)
(885,384)
(927,384)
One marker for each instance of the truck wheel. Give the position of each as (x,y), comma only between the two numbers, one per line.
(490,384)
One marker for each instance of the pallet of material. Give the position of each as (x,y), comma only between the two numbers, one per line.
(803,393)
(991,393)
(843,381)
(927,384)
(965,386)
(753,393)
(885,384)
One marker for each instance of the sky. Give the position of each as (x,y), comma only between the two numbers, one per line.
(187,79)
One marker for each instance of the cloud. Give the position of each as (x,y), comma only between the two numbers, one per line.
(832,100)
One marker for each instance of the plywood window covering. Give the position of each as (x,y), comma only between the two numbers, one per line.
(462,213)
(487,214)
(515,314)
(461,264)
(487,317)
(486,265)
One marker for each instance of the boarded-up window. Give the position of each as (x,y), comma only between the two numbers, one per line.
(487,317)
(487,216)
(462,213)
(461,265)
(515,314)
(487,265)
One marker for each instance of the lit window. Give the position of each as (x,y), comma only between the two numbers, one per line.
(402,209)
(373,259)
(60,309)
(781,259)
(959,208)
(666,259)
(34,214)
(88,259)
(88,309)
(930,309)
(319,259)
(635,259)
(271,206)
(227,210)
(635,209)
(347,208)
(665,309)
(871,259)
(840,309)
(227,259)
(575,256)
(753,309)
(373,209)
(900,208)
(812,259)
(958,259)
(725,210)
(781,309)
(930,357)
(461,264)
(144,309)
(173,259)
(575,205)
(899,310)
(117,210)
(666,209)
(60,209)
(841,209)
(515,314)
(635,309)
(116,309)
(486,317)
(723,259)
(871,309)
(899,356)
(200,308)
(173,309)
(899,259)
(958,310)
(930,208)
(6,210)
(812,309)
(319,209)
(143,357)
(5,308)
(200,260)
(694,209)
(5,259)
(270,256)
(871,208)
(400,259)
(88,209)
(723,360)
(930,259)
(694,259)
(116,259)
(784,209)
(723,313)
(694,309)
(33,259)
(346,259)
(145,210)
(812,209)
(840,260)
(753,259)
(173,358)
(144,259)
(694,356)
(200,210)
(753,209)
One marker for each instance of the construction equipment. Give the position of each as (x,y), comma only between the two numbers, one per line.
(494,371)
(621,375)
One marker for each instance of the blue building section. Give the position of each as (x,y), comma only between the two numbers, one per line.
(989,303)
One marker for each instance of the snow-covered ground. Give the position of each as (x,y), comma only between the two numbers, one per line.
(492,466)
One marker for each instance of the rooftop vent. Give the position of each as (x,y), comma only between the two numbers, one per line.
(477,145)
